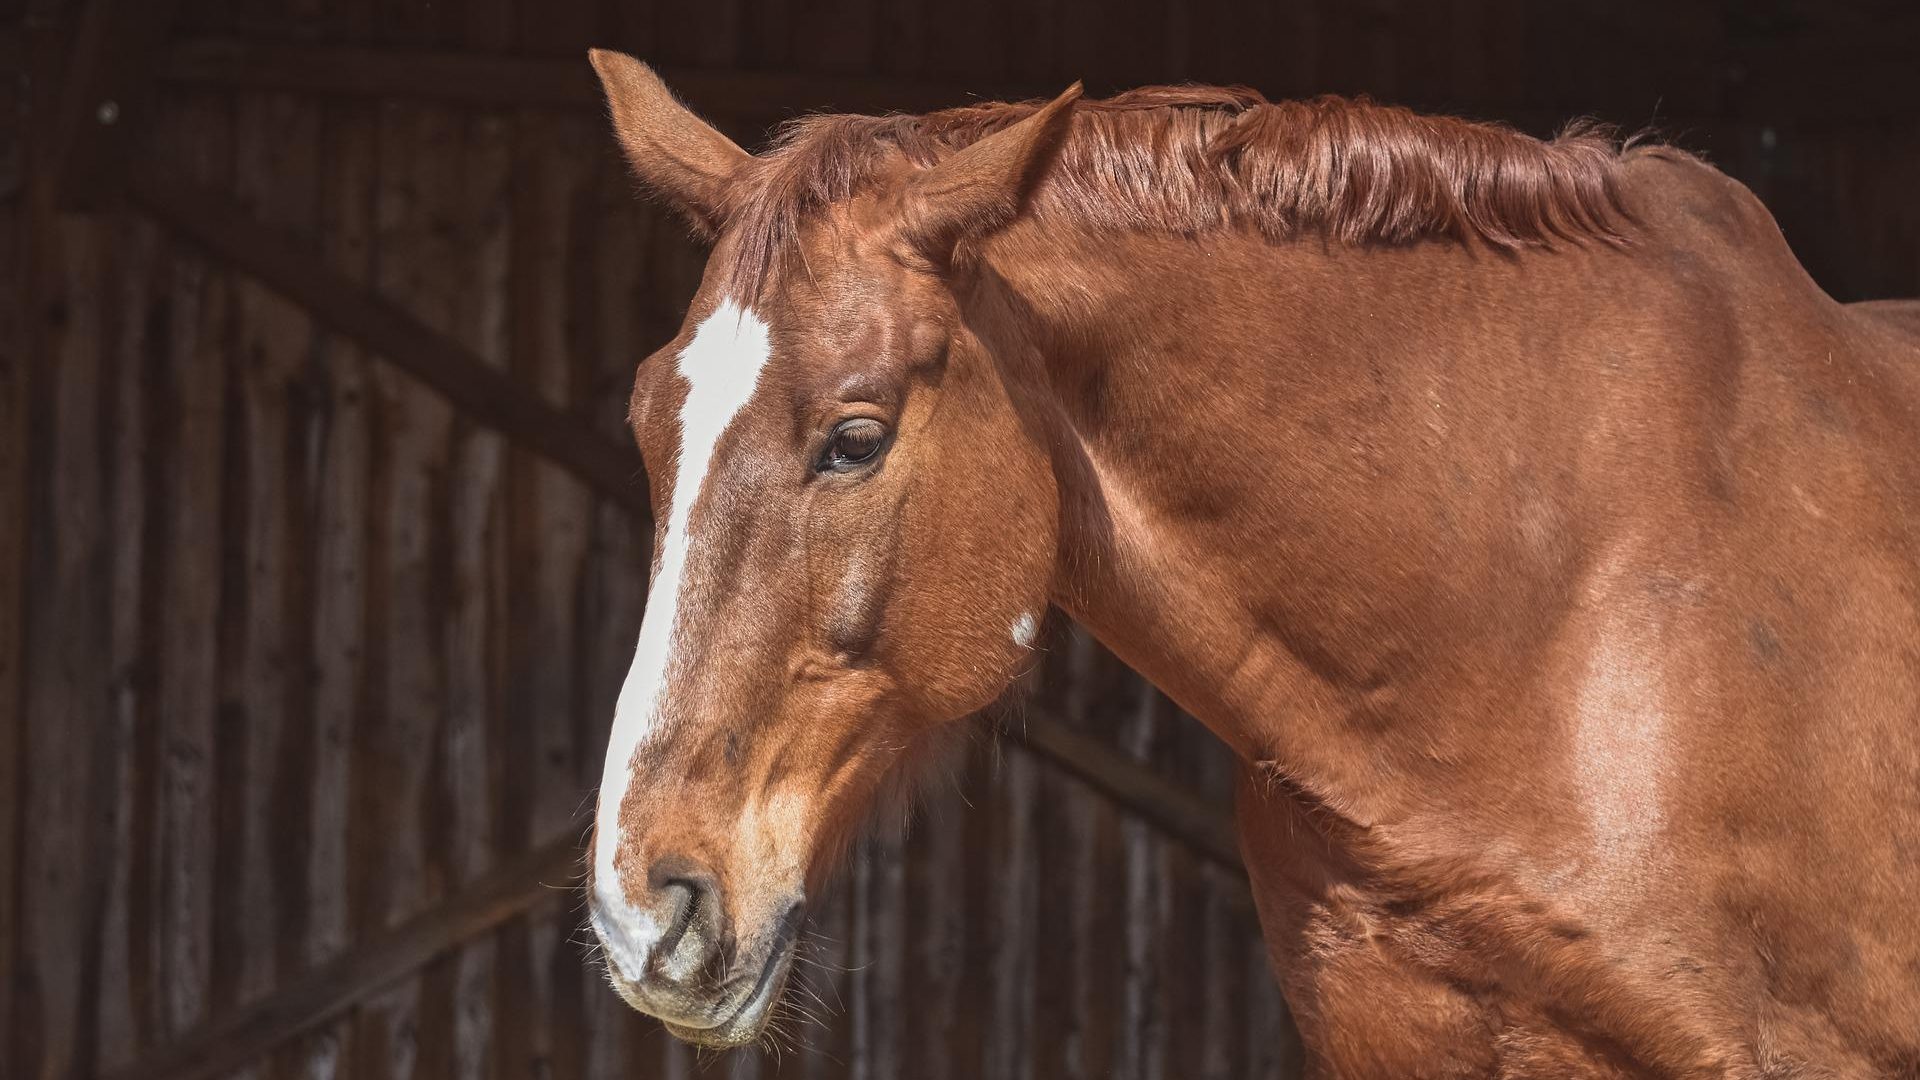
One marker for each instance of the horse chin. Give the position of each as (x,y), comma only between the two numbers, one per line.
(750,1018)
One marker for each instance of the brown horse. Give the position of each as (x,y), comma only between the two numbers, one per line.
(1542,540)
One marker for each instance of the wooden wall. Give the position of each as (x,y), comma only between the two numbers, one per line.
(291,648)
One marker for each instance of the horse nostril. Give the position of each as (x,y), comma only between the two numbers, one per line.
(683,903)
(694,921)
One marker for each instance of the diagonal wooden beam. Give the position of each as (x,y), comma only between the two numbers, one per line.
(486,394)
(243,1035)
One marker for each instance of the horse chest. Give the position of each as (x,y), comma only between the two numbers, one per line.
(1450,970)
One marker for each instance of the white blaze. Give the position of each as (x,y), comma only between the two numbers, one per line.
(721,367)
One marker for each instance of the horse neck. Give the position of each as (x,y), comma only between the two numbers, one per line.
(1310,492)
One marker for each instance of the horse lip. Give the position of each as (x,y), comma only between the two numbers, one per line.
(744,1022)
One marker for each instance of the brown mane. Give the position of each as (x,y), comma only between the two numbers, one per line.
(1188,159)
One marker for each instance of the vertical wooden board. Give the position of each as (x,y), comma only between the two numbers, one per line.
(533,735)
(1142,1029)
(968,1034)
(400,867)
(138,349)
(15,469)
(937,932)
(1055,1047)
(549,509)
(470,780)
(190,647)
(568,988)
(1016,889)
(338,455)
(1218,993)
(887,932)
(605,1050)
(1083,897)
(274,141)
(171,937)
(862,994)
(1096,930)
(1179,953)
(64,694)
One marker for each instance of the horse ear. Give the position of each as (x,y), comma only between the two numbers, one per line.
(984,186)
(677,155)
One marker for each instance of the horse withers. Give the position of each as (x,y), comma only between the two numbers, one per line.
(1544,543)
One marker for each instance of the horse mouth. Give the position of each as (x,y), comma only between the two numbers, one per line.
(749,1018)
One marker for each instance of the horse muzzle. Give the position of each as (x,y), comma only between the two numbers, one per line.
(675,957)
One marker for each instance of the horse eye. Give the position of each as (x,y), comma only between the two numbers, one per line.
(852,444)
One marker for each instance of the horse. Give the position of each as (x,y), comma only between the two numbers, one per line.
(1539,537)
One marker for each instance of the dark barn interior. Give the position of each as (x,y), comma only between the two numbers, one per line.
(323,554)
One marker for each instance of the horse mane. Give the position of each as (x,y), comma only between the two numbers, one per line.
(1193,159)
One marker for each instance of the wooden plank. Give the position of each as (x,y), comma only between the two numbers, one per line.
(937,929)
(385,328)
(13,509)
(137,311)
(1016,898)
(17,280)
(267,704)
(109,75)
(65,630)
(471,779)
(187,562)
(401,817)
(345,462)
(189,650)
(546,529)
(276,142)
(315,997)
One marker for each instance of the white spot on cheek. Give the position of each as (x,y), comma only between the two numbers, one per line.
(721,366)
(1024,628)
